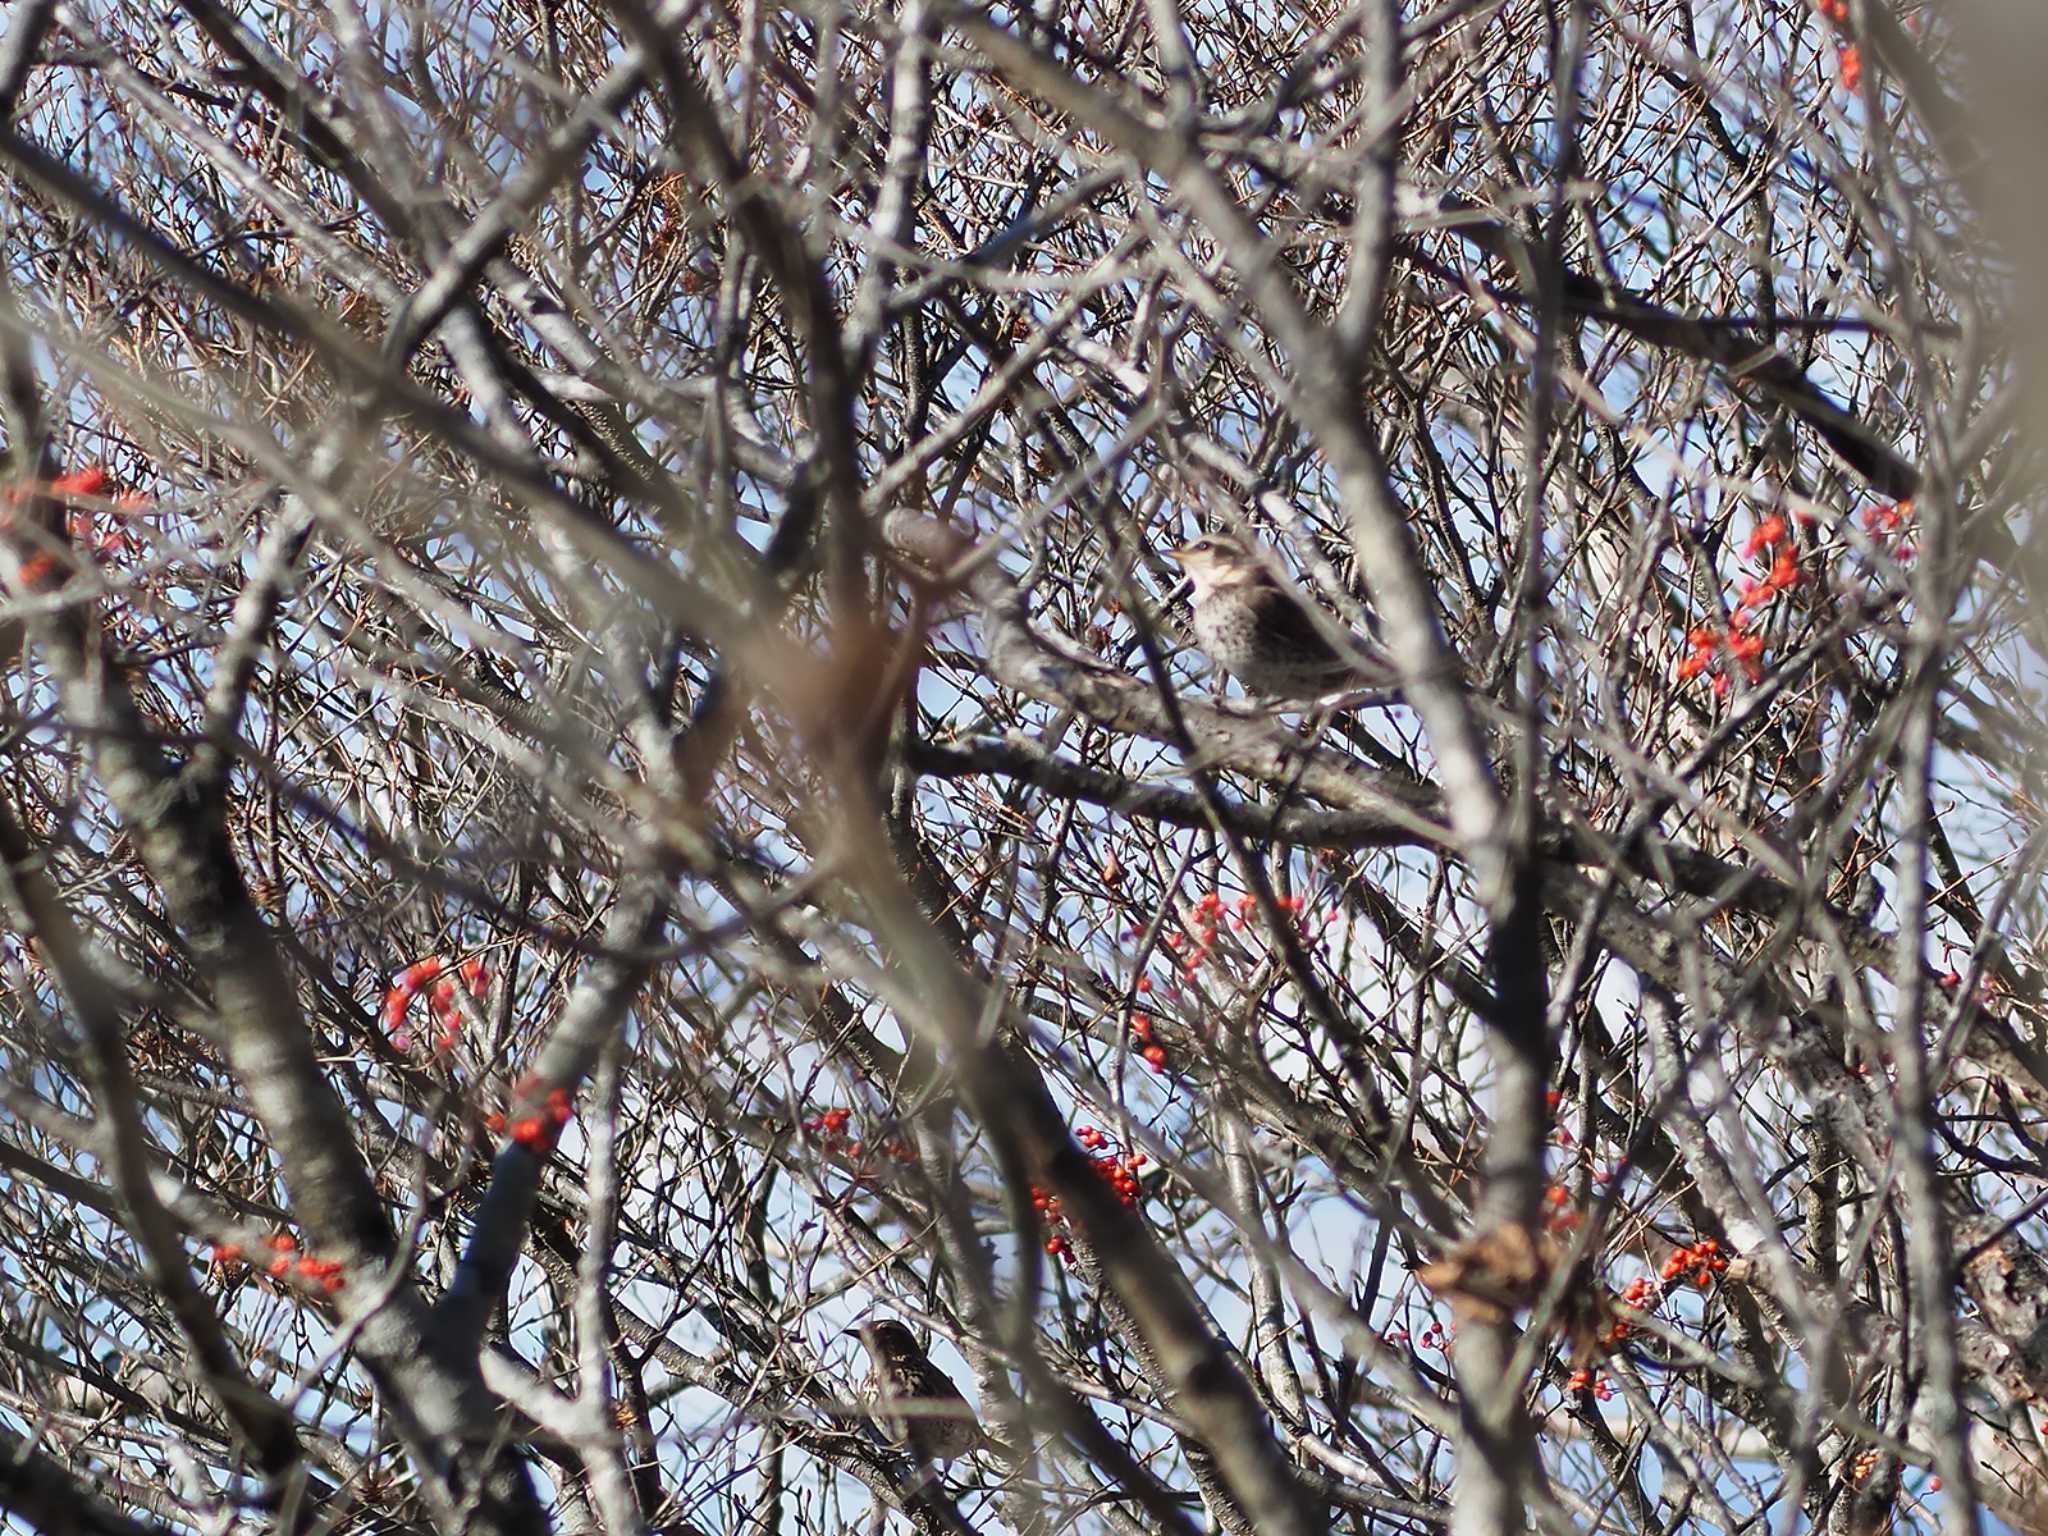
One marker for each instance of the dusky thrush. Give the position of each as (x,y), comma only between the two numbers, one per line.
(1253,626)
(933,1422)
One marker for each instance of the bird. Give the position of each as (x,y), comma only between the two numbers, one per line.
(1254,627)
(936,1424)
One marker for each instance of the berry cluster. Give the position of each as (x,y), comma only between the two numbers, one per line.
(1888,526)
(1149,1048)
(1639,1295)
(85,521)
(429,974)
(1209,915)
(1741,646)
(1558,1133)
(540,1127)
(830,1128)
(1119,1171)
(1200,936)
(84,484)
(1048,1206)
(1435,1336)
(1698,1262)
(831,1125)
(80,482)
(1849,58)
(1583,1378)
(1192,946)
(286,1261)
(1562,1217)
(1864,1464)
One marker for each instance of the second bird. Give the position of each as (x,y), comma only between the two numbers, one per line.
(935,1422)
(1256,628)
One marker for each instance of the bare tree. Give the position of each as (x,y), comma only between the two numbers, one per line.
(605,776)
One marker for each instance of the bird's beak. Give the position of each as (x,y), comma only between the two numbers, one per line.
(1179,556)
(849,1333)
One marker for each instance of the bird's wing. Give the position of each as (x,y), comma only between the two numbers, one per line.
(1296,631)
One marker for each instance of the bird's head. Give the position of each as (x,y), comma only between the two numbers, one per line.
(887,1339)
(1216,561)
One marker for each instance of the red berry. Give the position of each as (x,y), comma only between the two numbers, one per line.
(82,482)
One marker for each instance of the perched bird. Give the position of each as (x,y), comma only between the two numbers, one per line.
(1254,627)
(935,1423)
